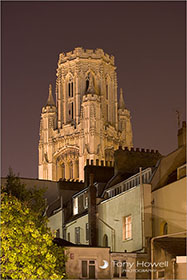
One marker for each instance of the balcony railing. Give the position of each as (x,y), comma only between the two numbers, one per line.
(131,182)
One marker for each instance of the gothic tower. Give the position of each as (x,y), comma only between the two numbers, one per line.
(87,123)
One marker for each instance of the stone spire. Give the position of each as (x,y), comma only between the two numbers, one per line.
(121,100)
(50,100)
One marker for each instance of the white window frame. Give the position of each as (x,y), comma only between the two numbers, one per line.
(88,264)
(127,228)
(75,205)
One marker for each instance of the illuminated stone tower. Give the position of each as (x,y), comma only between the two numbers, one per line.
(86,123)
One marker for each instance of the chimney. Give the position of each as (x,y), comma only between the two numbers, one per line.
(182,135)
(92,218)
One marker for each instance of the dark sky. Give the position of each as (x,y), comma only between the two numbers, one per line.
(147,40)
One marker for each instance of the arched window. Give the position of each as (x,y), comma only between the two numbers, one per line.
(63,171)
(70,89)
(87,83)
(90,84)
(107,101)
(107,91)
(105,240)
(165,228)
(71,170)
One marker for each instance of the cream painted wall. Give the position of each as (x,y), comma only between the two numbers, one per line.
(114,209)
(55,222)
(80,222)
(170,206)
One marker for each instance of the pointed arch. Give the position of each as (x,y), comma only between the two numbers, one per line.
(89,74)
(70,85)
(105,240)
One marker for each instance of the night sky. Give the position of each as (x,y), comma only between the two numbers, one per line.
(147,40)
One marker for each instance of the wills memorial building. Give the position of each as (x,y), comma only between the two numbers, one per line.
(86,123)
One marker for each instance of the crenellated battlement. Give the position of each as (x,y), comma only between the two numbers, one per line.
(129,160)
(141,150)
(97,162)
(81,53)
(71,180)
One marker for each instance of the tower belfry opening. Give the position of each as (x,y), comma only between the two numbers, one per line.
(86,123)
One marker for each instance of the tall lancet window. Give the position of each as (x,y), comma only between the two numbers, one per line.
(71,170)
(106,91)
(87,81)
(70,100)
(70,89)
(107,108)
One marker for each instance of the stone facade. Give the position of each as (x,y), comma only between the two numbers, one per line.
(87,122)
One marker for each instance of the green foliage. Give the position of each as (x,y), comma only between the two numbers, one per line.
(27,249)
(33,196)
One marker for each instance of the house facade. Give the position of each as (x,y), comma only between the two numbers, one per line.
(169,223)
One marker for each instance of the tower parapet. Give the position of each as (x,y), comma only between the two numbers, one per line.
(88,53)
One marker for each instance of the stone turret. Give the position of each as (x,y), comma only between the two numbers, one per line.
(121,100)
(182,135)
(46,146)
(124,123)
(50,100)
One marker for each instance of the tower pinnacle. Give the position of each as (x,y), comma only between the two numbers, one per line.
(121,100)
(50,100)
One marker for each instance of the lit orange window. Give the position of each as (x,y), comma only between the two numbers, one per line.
(127,227)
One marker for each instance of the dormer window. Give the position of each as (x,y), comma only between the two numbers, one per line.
(75,206)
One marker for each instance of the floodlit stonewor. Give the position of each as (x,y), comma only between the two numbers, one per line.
(86,122)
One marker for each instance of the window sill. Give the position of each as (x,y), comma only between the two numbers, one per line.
(127,240)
